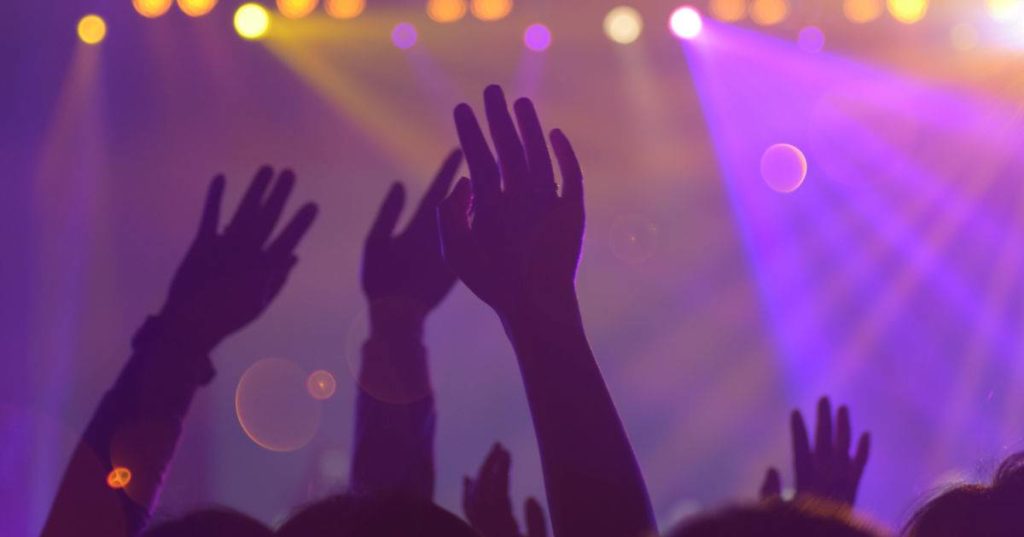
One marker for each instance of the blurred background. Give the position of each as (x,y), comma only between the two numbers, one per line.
(786,199)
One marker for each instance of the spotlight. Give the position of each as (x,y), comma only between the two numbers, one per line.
(252,21)
(491,10)
(1005,10)
(404,35)
(686,23)
(811,39)
(623,25)
(769,12)
(728,10)
(152,9)
(908,11)
(446,10)
(92,29)
(784,168)
(537,37)
(296,9)
(862,11)
(345,9)
(196,8)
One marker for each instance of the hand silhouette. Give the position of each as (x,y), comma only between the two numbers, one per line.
(487,505)
(828,472)
(229,278)
(509,235)
(408,269)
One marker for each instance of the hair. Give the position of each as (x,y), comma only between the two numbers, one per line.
(211,523)
(975,509)
(776,518)
(350,515)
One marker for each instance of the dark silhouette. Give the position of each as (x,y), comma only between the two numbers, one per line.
(352,515)
(211,523)
(487,505)
(519,253)
(225,282)
(774,518)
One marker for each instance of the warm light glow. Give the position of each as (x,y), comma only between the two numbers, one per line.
(769,12)
(152,8)
(1005,10)
(446,10)
(537,37)
(686,23)
(345,9)
(964,37)
(862,11)
(491,10)
(404,36)
(119,477)
(196,8)
(252,21)
(92,29)
(783,167)
(321,385)
(623,25)
(908,11)
(296,9)
(728,10)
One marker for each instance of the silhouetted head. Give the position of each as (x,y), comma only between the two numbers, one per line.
(994,510)
(351,515)
(774,518)
(210,523)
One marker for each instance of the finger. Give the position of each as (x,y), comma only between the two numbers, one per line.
(482,167)
(823,434)
(249,208)
(843,433)
(387,216)
(275,205)
(542,174)
(569,166)
(442,183)
(511,157)
(802,466)
(860,459)
(293,233)
(536,525)
(772,486)
(453,221)
(209,222)
(501,471)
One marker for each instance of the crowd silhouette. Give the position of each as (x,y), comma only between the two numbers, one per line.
(512,233)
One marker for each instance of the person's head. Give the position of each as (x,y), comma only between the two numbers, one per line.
(775,518)
(350,515)
(210,523)
(973,509)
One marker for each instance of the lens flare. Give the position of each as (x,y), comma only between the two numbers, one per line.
(862,11)
(728,10)
(537,37)
(1005,10)
(345,9)
(908,11)
(119,477)
(92,29)
(321,385)
(623,25)
(769,12)
(196,8)
(783,168)
(273,405)
(445,11)
(491,10)
(152,9)
(252,21)
(404,36)
(811,39)
(686,23)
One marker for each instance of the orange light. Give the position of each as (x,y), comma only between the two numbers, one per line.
(296,9)
(345,9)
(862,11)
(119,477)
(152,9)
(728,10)
(446,10)
(769,12)
(491,10)
(908,11)
(92,29)
(196,8)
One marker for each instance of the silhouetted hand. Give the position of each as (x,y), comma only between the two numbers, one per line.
(509,235)
(229,278)
(487,505)
(828,471)
(408,268)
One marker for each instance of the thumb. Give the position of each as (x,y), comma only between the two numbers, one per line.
(772,486)
(536,525)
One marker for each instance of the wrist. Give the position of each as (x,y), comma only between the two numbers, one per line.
(397,318)
(174,349)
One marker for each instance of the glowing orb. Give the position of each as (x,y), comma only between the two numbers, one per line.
(445,11)
(196,8)
(491,10)
(728,10)
(152,9)
(634,238)
(686,23)
(296,9)
(811,39)
(345,9)
(964,37)
(252,21)
(321,385)
(1005,10)
(862,11)
(783,167)
(769,12)
(623,25)
(908,11)
(92,29)
(404,35)
(273,406)
(119,477)
(537,37)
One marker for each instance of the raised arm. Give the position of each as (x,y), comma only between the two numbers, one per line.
(519,254)
(404,278)
(225,282)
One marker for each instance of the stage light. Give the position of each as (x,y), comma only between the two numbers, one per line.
(686,23)
(623,25)
(537,37)
(152,9)
(908,11)
(321,385)
(769,12)
(491,10)
(862,11)
(296,9)
(252,21)
(446,10)
(783,168)
(345,9)
(196,8)
(92,29)
(404,35)
(811,39)
(119,477)
(1005,10)
(728,10)
(964,37)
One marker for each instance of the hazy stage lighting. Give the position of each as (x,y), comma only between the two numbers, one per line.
(345,9)
(1005,10)
(623,25)
(296,9)
(152,9)
(811,39)
(252,21)
(964,37)
(783,168)
(92,29)
(446,10)
(491,10)
(769,12)
(728,10)
(196,8)
(686,23)
(862,11)
(404,35)
(908,11)
(537,37)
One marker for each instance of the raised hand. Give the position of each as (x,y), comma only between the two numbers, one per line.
(828,471)
(229,277)
(487,505)
(510,235)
